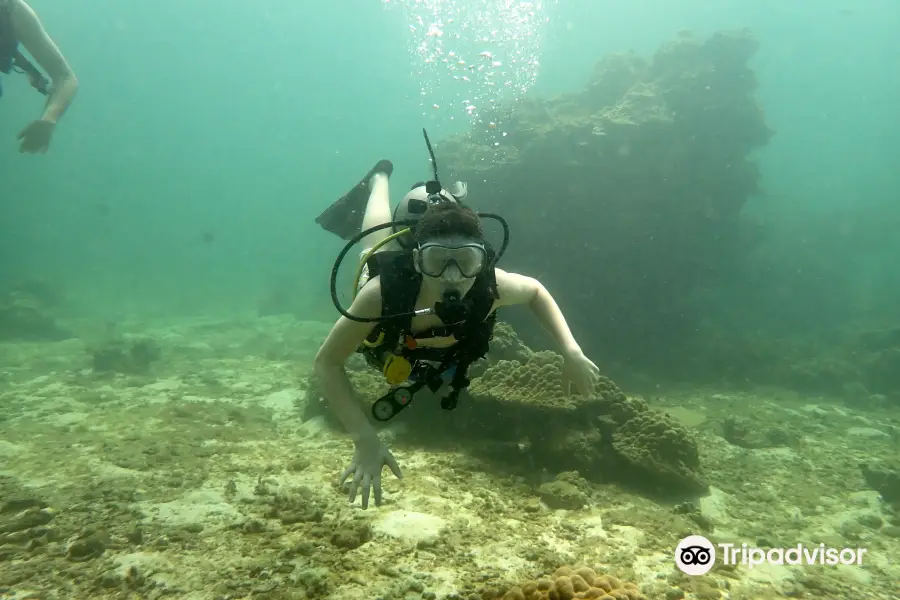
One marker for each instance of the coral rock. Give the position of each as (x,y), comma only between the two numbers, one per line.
(570,584)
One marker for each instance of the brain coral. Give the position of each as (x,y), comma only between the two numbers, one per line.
(537,381)
(570,584)
(655,444)
(506,345)
(623,437)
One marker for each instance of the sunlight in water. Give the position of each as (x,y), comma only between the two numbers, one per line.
(473,56)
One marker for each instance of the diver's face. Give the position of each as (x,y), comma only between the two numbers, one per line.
(450,262)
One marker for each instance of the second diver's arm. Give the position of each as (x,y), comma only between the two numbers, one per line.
(520,289)
(343,340)
(32,35)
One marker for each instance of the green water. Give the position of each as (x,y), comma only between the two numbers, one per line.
(247,121)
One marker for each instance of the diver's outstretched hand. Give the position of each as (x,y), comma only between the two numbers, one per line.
(369,457)
(580,374)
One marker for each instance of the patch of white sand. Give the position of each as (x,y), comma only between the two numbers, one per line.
(164,573)
(411,526)
(593,528)
(867,433)
(282,402)
(66,419)
(501,555)
(714,506)
(108,469)
(205,506)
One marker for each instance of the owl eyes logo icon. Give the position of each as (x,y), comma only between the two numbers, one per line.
(695,555)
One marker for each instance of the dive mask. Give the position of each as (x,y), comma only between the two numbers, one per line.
(434,258)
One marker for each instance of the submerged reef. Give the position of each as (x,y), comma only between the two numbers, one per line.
(637,181)
(862,366)
(515,412)
(26,313)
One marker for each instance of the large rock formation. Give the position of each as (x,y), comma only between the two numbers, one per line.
(627,192)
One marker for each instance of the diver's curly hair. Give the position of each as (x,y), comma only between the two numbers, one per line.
(448,218)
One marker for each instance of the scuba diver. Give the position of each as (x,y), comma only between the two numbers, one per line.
(19,24)
(426,293)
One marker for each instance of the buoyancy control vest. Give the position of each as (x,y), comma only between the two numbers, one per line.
(400,284)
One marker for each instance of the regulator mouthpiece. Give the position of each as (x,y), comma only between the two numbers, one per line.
(452,308)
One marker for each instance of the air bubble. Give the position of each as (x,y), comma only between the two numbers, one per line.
(494,60)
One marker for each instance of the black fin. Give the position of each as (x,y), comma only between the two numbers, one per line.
(344,218)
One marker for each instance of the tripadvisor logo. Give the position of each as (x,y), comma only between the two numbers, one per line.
(696,555)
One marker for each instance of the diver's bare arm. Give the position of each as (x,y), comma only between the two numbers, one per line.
(34,37)
(519,289)
(341,343)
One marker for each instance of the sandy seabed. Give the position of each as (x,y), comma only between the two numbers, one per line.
(199,480)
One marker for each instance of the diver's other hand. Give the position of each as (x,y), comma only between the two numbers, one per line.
(36,136)
(579,373)
(369,457)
